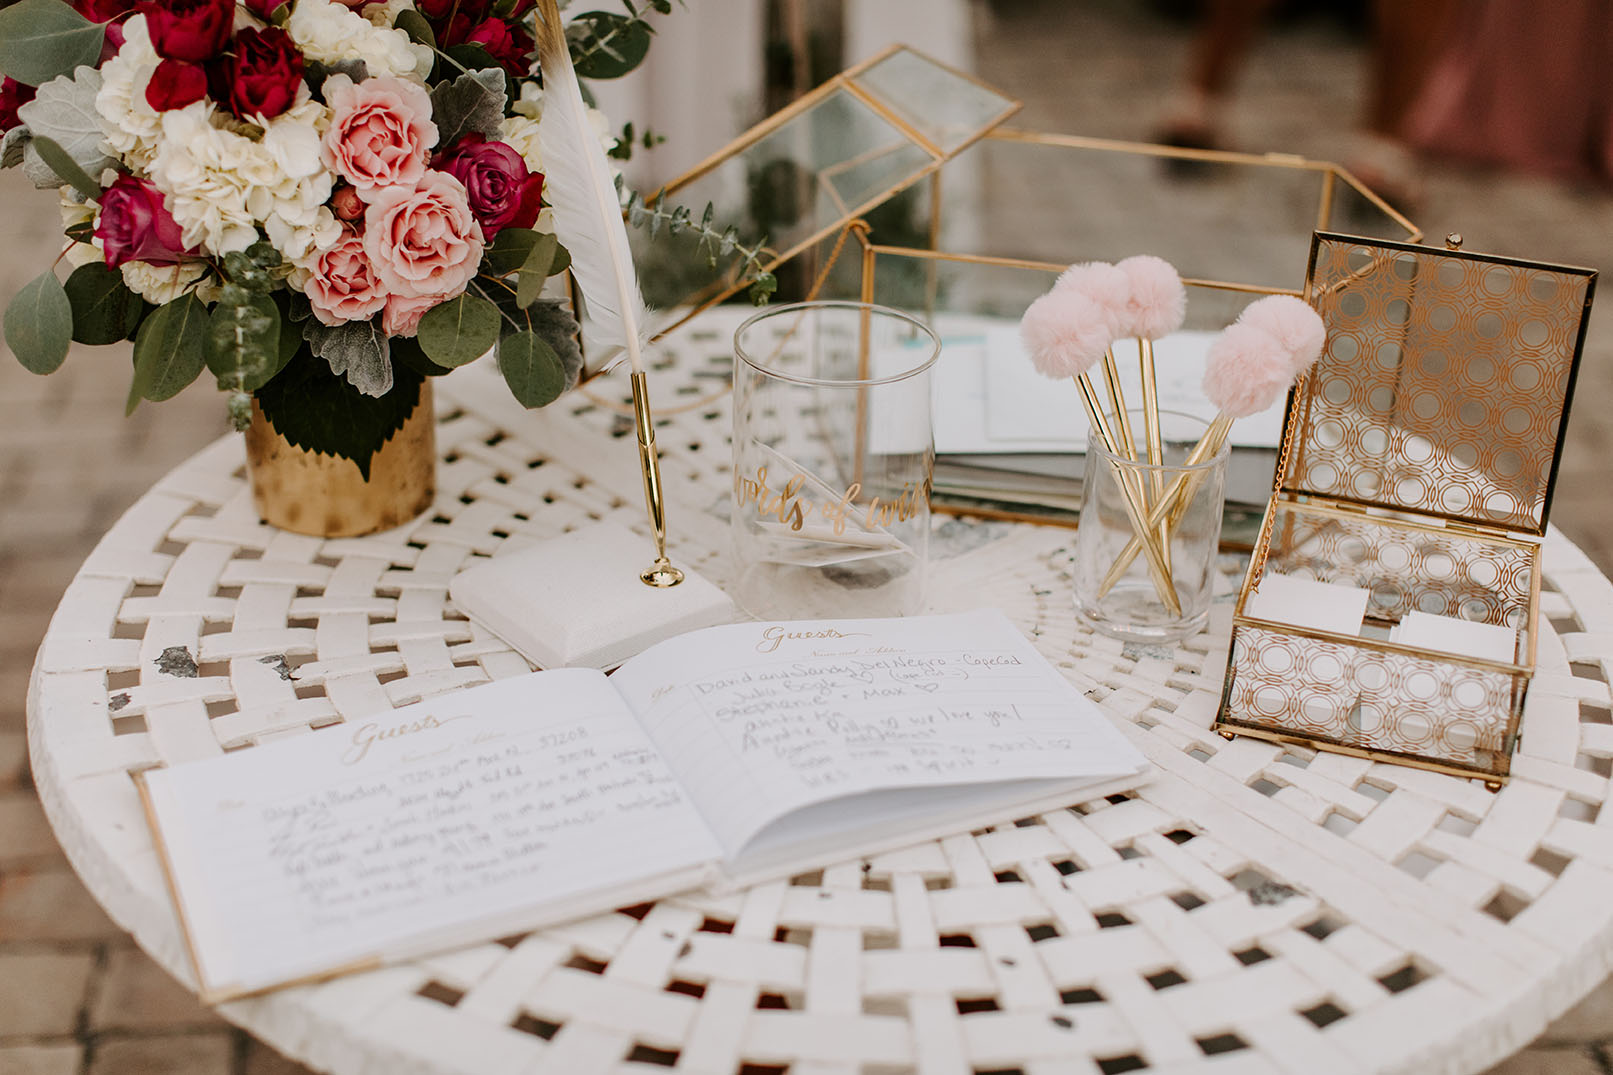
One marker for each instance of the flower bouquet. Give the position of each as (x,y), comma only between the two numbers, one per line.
(320,203)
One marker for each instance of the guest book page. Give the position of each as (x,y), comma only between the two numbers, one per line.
(759,720)
(500,806)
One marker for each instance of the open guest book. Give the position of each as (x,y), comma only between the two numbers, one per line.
(722,757)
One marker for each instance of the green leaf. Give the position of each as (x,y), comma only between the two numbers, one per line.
(64,111)
(169,350)
(508,251)
(472,102)
(41,39)
(243,342)
(472,58)
(319,411)
(607,45)
(561,262)
(531,368)
(458,331)
(39,324)
(536,270)
(104,309)
(415,25)
(357,350)
(66,167)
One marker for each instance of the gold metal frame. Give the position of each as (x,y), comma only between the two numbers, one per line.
(1295,499)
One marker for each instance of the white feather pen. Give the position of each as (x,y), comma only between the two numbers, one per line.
(588,220)
(577,183)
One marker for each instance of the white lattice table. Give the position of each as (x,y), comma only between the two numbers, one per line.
(1253,909)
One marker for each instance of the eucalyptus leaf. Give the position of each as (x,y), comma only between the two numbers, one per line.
(64,111)
(243,342)
(104,309)
(472,102)
(607,45)
(472,57)
(536,269)
(65,167)
(12,144)
(508,251)
(406,350)
(169,350)
(561,262)
(552,323)
(39,324)
(415,25)
(458,331)
(531,368)
(357,350)
(319,411)
(41,39)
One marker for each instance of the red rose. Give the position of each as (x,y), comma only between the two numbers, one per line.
(175,84)
(509,45)
(264,74)
(189,29)
(13,95)
(135,226)
(501,191)
(263,9)
(103,10)
(465,15)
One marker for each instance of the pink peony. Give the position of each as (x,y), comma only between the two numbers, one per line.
(1065,333)
(380,133)
(1247,370)
(403,313)
(423,241)
(344,285)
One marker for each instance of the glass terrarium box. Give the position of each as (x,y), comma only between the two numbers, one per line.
(1390,605)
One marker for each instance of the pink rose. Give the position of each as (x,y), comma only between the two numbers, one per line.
(423,241)
(135,225)
(380,132)
(403,313)
(344,286)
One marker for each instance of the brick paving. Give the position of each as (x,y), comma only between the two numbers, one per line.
(77,998)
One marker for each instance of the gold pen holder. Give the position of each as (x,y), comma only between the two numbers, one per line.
(1418,461)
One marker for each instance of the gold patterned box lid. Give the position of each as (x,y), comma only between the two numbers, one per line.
(1444,386)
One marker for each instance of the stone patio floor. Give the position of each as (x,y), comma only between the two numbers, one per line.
(77,997)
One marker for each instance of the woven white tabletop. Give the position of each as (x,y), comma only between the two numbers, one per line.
(1254,908)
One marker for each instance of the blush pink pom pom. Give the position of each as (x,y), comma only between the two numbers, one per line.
(1157,302)
(1105,285)
(1065,333)
(1248,369)
(1294,324)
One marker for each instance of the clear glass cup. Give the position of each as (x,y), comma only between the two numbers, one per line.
(833,456)
(1118,591)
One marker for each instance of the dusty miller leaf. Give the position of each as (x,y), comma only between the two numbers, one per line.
(64,111)
(12,143)
(356,350)
(472,102)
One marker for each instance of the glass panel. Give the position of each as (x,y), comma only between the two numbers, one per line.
(941,105)
(1444,383)
(802,179)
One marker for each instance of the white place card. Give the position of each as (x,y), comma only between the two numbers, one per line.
(1297,602)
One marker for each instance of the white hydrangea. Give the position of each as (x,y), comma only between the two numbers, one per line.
(130,124)
(158,284)
(221,183)
(330,33)
(300,244)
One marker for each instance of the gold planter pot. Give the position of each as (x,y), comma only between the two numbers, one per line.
(325,495)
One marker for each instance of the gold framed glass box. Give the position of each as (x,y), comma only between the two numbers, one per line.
(1414,483)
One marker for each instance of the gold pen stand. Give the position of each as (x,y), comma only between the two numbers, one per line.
(1418,461)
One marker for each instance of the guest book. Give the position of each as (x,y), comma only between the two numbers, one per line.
(721,757)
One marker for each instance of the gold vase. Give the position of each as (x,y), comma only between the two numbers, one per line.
(325,495)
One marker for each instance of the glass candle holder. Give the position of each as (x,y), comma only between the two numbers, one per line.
(833,456)
(1122,591)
